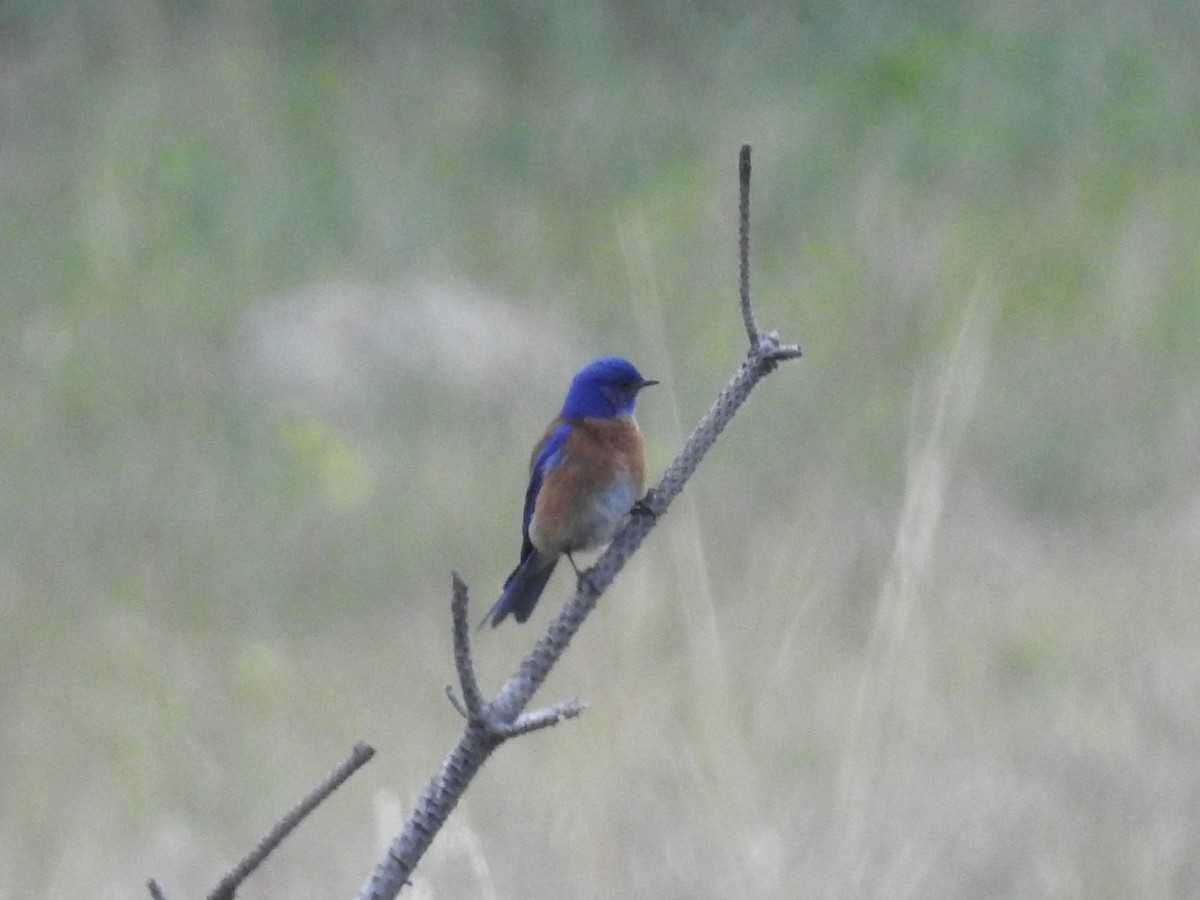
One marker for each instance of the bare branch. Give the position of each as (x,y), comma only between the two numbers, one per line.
(230,882)
(744,244)
(490,724)
(440,797)
(520,688)
(544,718)
(462,651)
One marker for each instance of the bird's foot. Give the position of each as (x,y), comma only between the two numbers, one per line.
(642,507)
(582,579)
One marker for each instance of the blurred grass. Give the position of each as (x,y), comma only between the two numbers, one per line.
(287,289)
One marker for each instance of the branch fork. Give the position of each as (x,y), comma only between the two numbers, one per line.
(491,719)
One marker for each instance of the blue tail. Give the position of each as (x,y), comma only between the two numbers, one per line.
(522,589)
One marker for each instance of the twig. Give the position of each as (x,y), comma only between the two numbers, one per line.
(544,718)
(155,891)
(744,245)
(492,723)
(472,698)
(230,882)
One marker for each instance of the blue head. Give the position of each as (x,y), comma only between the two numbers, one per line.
(605,387)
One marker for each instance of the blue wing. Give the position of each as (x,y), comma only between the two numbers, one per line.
(527,581)
(546,457)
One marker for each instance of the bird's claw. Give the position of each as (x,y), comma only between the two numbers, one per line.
(642,507)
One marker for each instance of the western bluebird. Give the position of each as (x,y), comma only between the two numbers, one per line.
(585,475)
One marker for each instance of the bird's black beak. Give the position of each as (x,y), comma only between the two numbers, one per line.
(647,382)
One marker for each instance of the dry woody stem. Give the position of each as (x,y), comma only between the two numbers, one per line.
(227,887)
(489,723)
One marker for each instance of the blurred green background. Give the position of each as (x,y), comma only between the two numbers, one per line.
(288,289)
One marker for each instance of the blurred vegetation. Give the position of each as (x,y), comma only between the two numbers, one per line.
(287,289)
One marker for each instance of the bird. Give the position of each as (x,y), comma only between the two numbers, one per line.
(585,476)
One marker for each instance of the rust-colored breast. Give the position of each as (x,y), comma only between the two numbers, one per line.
(584,498)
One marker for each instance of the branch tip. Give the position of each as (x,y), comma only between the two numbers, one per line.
(456,703)
(543,718)
(744,245)
(229,883)
(472,698)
